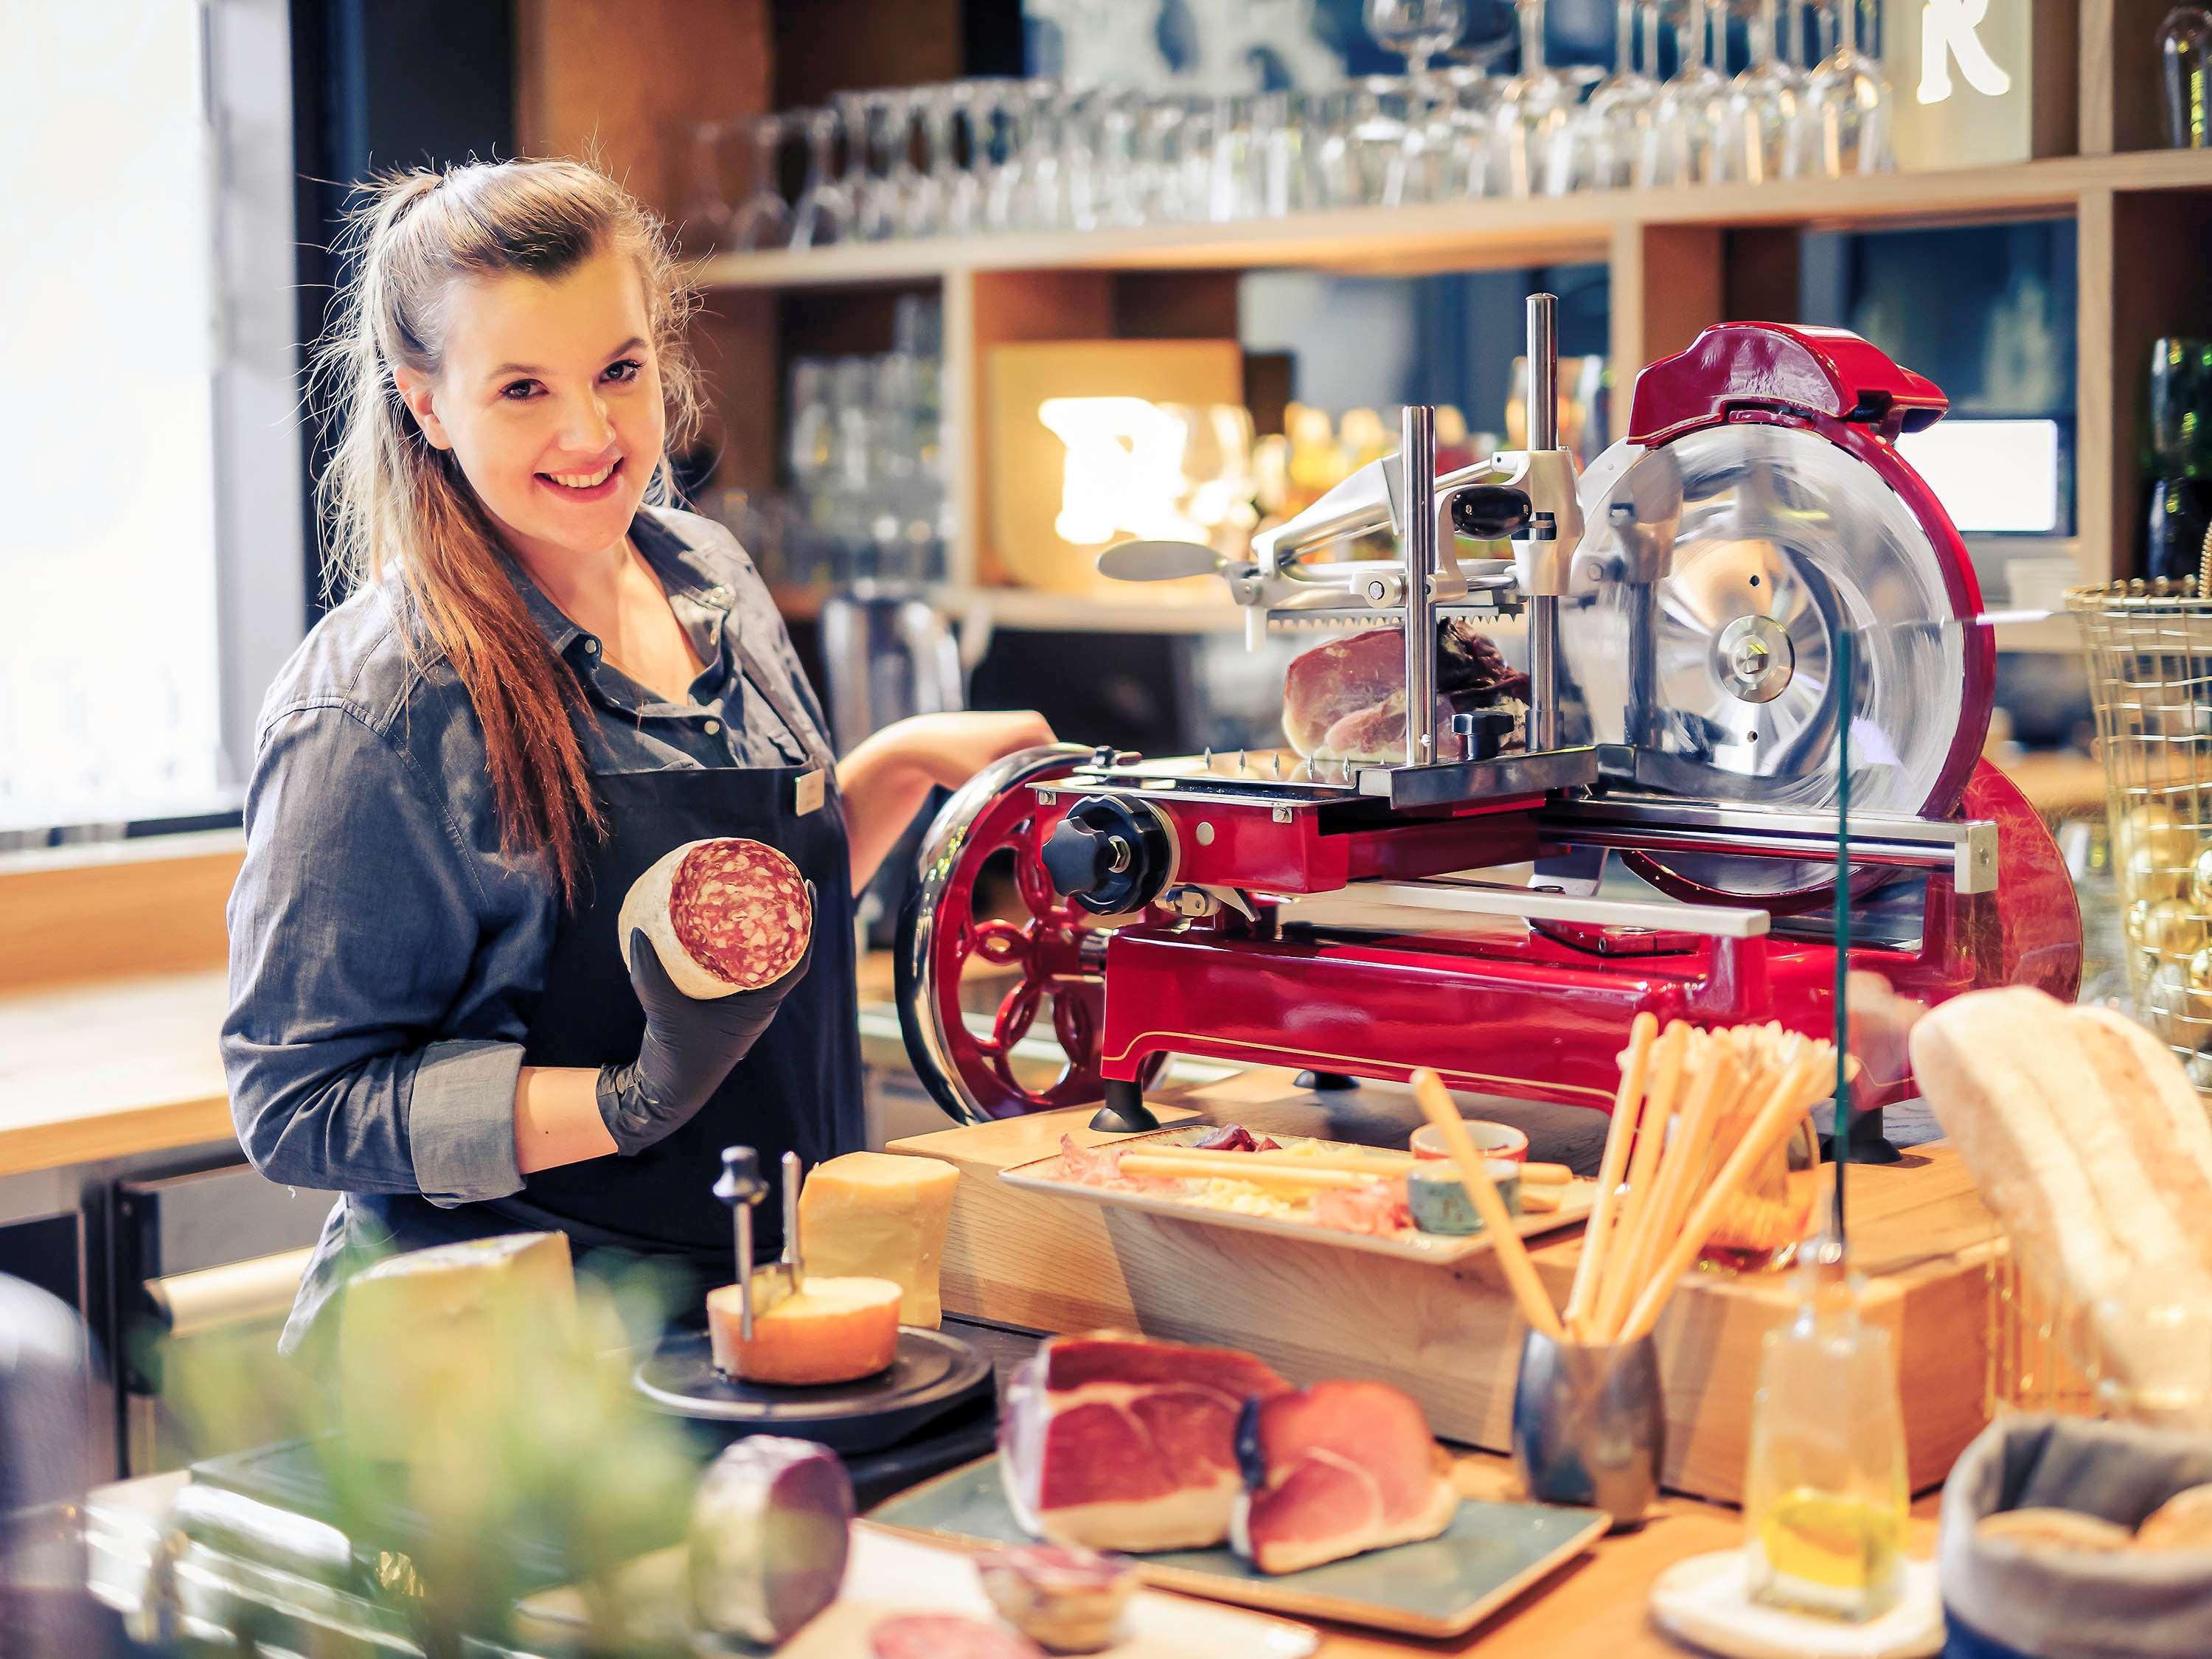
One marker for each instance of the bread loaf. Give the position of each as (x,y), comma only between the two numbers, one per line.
(2183,1521)
(2086,1140)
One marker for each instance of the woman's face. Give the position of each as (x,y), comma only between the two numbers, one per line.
(549,398)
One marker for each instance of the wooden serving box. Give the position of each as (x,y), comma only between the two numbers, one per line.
(1450,1335)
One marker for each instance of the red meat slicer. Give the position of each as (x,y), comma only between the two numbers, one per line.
(1675,791)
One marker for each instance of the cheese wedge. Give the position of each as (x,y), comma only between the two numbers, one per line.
(418,1332)
(832,1330)
(880,1215)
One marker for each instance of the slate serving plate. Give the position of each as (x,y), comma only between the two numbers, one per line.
(934,1373)
(1445,1587)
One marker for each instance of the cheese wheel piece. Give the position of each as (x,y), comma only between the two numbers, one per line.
(723,916)
(417,1332)
(833,1330)
(880,1215)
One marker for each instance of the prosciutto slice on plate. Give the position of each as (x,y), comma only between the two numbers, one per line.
(1335,1469)
(1114,1442)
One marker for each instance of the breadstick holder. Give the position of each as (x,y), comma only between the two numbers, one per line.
(1590,1425)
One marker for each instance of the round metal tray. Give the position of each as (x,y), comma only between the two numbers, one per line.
(932,1374)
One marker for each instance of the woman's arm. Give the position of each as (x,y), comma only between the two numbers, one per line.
(355,931)
(887,777)
(557,1118)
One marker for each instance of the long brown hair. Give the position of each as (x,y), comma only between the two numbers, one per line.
(393,504)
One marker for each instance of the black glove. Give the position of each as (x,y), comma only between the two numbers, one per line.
(691,1044)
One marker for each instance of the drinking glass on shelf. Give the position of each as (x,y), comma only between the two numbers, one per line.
(1597,147)
(822,215)
(1761,114)
(1691,110)
(1534,109)
(1362,159)
(1026,170)
(1843,127)
(1163,133)
(1467,104)
(1418,29)
(764,218)
(867,182)
(959,192)
(1281,122)
(703,202)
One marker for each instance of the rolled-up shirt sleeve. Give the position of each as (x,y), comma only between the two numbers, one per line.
(353,928)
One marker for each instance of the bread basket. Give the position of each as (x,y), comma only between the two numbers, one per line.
(2005,1600)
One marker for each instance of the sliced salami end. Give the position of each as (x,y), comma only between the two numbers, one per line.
(723,915)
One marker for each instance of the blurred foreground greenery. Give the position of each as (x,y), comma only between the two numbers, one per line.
(538,1465)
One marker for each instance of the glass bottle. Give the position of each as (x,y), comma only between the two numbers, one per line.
(2180,462)
(2185,54)
(1826,1492)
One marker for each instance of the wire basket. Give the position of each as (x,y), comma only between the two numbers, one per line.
(2149,646)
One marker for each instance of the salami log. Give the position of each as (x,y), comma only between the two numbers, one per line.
(723,916)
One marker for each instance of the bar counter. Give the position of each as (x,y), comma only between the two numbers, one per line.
(1594,1604)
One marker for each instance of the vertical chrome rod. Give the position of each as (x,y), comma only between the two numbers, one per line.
(1417,455)
(1543,608)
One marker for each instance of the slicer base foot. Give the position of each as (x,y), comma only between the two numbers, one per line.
(1869,1144)
(1125,1112)
(1326,1082)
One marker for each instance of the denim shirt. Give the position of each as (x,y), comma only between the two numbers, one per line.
(384,955)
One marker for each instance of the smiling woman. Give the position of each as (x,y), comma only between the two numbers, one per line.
(543,677)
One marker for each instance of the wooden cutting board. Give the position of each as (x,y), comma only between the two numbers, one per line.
(888,1575)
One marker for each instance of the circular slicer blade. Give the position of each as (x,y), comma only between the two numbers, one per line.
(1782,538)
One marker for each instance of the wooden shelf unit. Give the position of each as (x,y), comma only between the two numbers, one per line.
(1678,259)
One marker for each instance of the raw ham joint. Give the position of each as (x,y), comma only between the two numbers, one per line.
(1116,1443)
(723,916)
(1335,1469)
(1345,700)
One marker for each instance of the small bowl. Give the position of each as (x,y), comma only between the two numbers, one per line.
(1492,1139)
(1440,1203)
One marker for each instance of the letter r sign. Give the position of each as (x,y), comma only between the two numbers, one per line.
(1947,31)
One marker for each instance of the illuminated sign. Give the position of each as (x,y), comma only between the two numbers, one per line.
(1948,32)
(1980,83)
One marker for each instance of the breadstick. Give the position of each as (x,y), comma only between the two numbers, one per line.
(1512,1255)
(1627,1103)
(1799,1088)
(1650,1139)
(1685,1156)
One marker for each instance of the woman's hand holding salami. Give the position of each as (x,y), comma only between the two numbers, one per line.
(715,935)
(690,1045)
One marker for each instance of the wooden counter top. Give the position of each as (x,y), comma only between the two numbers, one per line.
(1596,1605)
(108,1069)
(111,1068)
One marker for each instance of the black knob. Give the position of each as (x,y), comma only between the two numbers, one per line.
(1489,512)
(1079,858)
(1107,855)
(741,1181)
